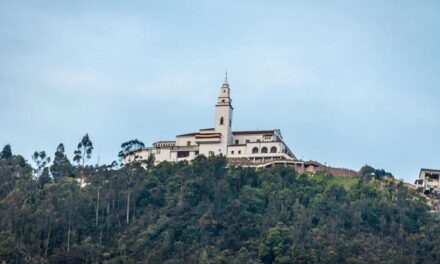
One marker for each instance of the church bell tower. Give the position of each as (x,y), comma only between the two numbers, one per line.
(223,116)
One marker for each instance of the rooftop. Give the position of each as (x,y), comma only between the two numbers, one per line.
(254,132)
(188,135)
(430,170)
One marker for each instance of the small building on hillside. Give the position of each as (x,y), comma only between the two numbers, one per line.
(429,181)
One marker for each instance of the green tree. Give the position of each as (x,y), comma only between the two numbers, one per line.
(130,170)
(206,212)
(366,170)
(61,166)
(44,178)
(6,152)
(129,147)
(41,161)
(84,150)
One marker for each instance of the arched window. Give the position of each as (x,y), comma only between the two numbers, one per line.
(264,150)
(273,150)
(254,150)
(222,120)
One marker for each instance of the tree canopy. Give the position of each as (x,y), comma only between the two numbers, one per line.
(205,212)
(84,150)
(6,152)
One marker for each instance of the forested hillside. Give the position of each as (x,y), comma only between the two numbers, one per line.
(205,213)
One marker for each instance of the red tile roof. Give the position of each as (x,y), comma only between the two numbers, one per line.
(187,135)
(271,132)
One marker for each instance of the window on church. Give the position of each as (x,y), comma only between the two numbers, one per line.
(254,150)
(223,100)
(232,152)
(258,140)
(182,154)
(247,141)
(264,150)
(236,142)
(188,143)
(230,122)
(222,120)
(239,152)
(273,150)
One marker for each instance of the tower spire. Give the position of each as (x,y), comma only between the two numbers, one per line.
(223,116)
(225,82)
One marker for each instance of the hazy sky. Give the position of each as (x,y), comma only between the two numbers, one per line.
(347,82)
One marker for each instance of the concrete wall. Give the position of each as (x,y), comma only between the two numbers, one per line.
(183,141)
(246,150)
(215,148)
(429,181)
(225,113)
(140,155)
(237,151)
(243,138)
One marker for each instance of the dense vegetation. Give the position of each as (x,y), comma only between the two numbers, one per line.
(204,213)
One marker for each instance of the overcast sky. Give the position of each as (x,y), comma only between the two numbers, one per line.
(347,82)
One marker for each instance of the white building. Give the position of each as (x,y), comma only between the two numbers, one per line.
(249,148)
(429,181)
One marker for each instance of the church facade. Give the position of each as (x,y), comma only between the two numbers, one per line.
(247,148)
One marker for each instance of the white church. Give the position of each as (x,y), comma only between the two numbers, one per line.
(246,148)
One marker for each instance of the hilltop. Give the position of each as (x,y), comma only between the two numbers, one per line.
(204,212)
